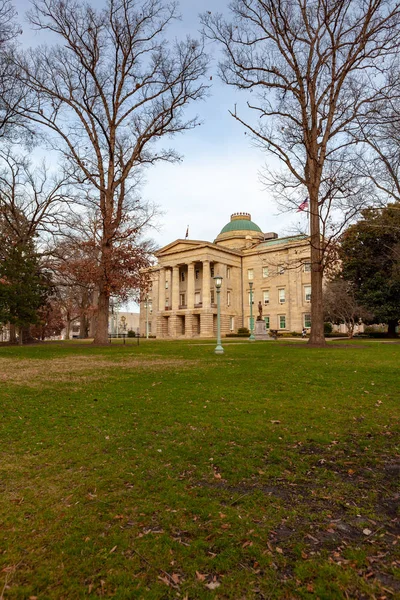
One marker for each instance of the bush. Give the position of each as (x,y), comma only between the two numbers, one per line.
(243,330)
(243,335)
(337,334)
(327,328)
(131,333)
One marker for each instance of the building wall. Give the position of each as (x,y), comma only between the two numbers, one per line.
(184,299)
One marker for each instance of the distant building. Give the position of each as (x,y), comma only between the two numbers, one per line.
(182,299)
(120,323)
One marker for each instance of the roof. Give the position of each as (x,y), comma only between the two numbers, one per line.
(240,225)
(285,240)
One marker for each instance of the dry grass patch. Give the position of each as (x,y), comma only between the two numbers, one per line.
(33,373)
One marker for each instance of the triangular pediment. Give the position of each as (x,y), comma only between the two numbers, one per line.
(180,246)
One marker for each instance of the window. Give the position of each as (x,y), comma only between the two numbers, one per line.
(281,269)
(251,296)
(228,272)
(228,298)
(166,285)
(212,270)
(266,319)
(281,296)
(197,273)
(307,320)
(307,293)
(182,299)
(232,323)
(149,326)
(212,297)
(282,321)
(266,297)
(265,272)
(307,267)
(182,275)
(166,302)
(250,274)
(197,298)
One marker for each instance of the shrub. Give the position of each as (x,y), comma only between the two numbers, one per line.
(243,335)
(131,333)
(327,328)
(244,330)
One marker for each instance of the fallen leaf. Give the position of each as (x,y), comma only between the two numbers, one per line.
(213,585)
(175,578)
(200,576)
(279,550)
(275,422)
(113,549)
(367,531)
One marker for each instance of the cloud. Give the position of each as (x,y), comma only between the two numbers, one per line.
(205,190)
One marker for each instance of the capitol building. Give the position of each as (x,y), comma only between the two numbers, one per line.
(181,301)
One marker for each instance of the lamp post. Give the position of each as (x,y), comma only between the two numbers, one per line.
(147,317)
(251,338)
(218,282)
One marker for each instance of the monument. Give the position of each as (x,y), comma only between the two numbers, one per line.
(261,332)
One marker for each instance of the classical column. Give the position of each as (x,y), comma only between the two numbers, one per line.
(175,288)
(206,299)
(161,290)
(190,287)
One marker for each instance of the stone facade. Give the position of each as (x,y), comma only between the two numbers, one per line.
(181,302)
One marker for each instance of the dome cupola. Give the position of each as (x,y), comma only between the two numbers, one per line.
(240,232)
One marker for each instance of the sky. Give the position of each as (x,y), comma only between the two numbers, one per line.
(219,174)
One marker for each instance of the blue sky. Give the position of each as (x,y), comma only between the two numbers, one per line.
(220,171)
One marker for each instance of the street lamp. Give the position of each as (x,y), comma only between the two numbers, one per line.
(251,338)
(218,282)
(147,317)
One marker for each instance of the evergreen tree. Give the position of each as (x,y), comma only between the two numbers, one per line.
(370,254)
(23,286)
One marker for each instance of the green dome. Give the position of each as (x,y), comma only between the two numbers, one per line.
(240,222)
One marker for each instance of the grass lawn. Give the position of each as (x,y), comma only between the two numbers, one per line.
(163,471)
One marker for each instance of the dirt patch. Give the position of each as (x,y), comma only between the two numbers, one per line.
(33,373)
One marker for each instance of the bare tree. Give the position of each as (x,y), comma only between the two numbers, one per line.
(12,92)
(314,68)
(109,92)
(379,156)
(33,202)
(341,305)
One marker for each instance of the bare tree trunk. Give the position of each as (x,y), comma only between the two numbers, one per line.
(13,334)
(20,336)
(317,337)
(101,335)
(392,324)
(68,326)
(83,318)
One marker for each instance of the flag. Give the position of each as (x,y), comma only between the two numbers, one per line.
(303,205)
(187,232)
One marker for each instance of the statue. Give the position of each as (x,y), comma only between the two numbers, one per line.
(259,318)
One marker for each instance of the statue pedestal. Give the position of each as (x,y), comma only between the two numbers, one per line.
(260,332)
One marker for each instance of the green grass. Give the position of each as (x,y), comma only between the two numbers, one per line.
(164,471)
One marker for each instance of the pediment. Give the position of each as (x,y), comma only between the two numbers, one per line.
(180,246)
